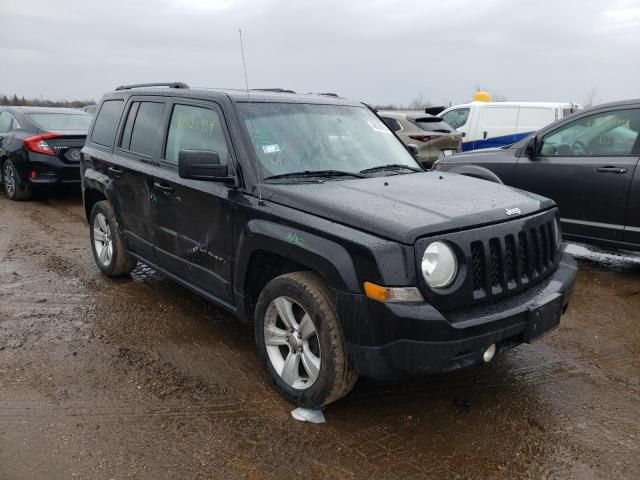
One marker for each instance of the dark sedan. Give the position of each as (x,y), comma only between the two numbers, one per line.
(40,149)
(587,163)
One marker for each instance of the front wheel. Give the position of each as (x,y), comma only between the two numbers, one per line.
(107,244)
(300,341)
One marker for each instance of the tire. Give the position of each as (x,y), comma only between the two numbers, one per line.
(309,297)
(107,244)
(12,188)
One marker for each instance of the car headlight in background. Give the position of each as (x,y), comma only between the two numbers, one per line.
(439,265)
(557,234)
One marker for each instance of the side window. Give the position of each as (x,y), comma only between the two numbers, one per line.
(457,118)
(145,127)
(104,129)
(610,134)
(125,140)
(392,123)
(195,128)
(6,121)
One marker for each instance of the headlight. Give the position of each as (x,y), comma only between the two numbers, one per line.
(557,234)
(439,265)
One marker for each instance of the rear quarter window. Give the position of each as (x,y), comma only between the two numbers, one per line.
(104,130)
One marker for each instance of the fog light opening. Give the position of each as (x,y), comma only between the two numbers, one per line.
(489,353)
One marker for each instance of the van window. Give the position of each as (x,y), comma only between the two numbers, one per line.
(534,118)
(457,118)
(195,128)
(146,127)
(607,134)
(104,129)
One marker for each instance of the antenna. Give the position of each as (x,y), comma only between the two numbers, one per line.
(246,84)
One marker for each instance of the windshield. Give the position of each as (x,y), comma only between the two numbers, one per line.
(61,121)
(294,137)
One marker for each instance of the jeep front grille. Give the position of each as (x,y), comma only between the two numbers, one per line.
(496,261)
(498,266)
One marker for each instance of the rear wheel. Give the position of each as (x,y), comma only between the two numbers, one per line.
(12,187)
(107,244)
(300,341)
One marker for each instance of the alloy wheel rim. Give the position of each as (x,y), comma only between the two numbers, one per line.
(292,343)
(102,241)
(9,180)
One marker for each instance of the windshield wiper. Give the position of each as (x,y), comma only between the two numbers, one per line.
(315,174)
(391,167)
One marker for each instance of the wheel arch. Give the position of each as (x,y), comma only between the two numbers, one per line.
(267,250)
(476,171)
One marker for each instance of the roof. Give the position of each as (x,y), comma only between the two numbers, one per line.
(410,114)
(238,95)
(73,111)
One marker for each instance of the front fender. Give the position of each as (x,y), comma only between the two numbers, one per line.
(329,259)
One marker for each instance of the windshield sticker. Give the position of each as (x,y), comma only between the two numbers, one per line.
(295,239)
(378,127)
(275,148)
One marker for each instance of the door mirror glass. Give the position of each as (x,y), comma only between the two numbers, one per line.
(202,165)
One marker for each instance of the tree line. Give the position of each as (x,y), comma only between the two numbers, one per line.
(43,102)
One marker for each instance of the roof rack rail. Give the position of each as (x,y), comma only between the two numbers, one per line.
(159,84)
(325,94)
(276,90)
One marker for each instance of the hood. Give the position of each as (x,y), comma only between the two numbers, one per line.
(406,207)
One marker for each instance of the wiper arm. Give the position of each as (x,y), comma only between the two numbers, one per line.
(315,173)
(391,166)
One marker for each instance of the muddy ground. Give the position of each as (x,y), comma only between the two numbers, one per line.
(139,378)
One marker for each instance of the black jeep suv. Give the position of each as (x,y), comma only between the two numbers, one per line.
(305,216)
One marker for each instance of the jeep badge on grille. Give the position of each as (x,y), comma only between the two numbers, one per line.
(513,211)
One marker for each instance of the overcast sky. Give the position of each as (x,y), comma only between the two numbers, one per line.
(374,51)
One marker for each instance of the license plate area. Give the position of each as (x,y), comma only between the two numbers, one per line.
(543,317)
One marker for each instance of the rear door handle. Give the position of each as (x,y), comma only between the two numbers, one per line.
(115,171)
(611,169)
(163,187)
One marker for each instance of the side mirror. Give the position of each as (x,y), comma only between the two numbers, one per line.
(531,147)
(413,148)
(202,165)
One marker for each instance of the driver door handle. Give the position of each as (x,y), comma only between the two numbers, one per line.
(163,187)
(115,171)
(611,169)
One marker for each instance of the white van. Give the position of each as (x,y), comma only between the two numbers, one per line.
(495,124)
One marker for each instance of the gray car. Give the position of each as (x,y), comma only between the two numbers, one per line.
(432,136)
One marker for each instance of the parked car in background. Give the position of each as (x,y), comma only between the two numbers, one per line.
(495,124)
(587,163)
(432,136)
(308,219)
(90,109)
(40,149)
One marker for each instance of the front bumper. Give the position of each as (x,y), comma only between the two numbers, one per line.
(388,341)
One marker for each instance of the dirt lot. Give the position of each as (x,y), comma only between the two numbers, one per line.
(140,378)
